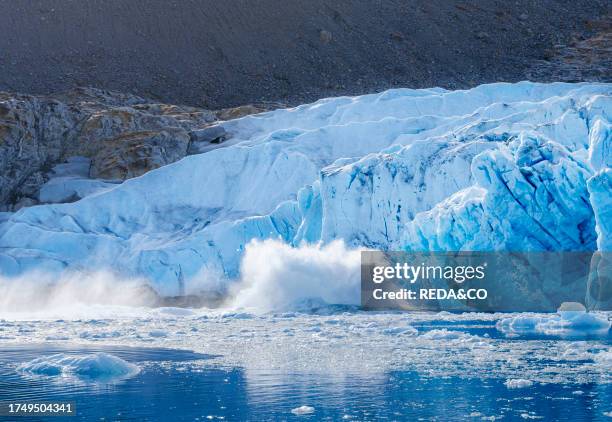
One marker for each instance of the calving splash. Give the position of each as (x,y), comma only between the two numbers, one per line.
(499,167)
(274,277)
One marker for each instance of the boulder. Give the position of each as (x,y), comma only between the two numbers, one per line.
(202,140)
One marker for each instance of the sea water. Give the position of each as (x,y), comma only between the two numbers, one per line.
(280,367)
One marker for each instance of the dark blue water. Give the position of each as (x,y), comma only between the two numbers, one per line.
(179,386)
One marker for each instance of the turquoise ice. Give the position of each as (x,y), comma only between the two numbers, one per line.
(497,167)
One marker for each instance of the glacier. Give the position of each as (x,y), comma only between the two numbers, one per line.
(503,166)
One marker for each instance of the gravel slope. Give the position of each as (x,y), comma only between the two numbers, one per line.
(215,54)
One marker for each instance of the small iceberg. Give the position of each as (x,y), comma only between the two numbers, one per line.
(518,383)
(94,367)
(303,410)
(571,318)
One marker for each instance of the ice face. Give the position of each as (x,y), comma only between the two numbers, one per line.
(503,166)
(529,194)
(600,187)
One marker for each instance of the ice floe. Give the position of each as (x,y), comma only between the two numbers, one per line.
(303,410)
(568,320)
(95,367)
(518,383)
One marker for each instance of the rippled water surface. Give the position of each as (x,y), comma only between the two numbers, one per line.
(182,385)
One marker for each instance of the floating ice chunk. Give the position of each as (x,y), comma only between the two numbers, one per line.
(518,383)
(456,339)
(97,367)
(237,315)
(57,338)
(565,322)
(568,308)
(174,311)
(401,331)
(603,358)
(303,410)
(444,334)
(530,416)
(100,335)
(578,321)
(158,333)
(570,317)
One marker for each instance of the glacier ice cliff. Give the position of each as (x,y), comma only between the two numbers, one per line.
(499,167)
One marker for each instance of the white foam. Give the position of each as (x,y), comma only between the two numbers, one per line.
(276,276)
(72,294)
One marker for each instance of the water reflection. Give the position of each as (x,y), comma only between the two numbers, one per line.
(178,385)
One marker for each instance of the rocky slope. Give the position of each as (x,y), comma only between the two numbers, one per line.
(97,134)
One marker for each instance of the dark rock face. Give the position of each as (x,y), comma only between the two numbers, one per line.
(122,136)
(214,54)
(34,132)
(201,139)
(135,153)
(583,58)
